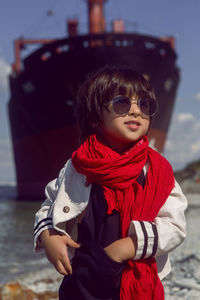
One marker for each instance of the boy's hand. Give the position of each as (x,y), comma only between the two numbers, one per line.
(122,250)
(55,246)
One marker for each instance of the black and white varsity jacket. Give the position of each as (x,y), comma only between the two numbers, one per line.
(68,196)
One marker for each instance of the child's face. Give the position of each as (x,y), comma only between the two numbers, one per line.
(120,132)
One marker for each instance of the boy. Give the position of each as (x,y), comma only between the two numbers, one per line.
(116,201)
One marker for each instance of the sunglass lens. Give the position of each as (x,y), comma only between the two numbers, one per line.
(121,105)
(148,106)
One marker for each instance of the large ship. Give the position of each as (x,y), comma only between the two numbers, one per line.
(43,89)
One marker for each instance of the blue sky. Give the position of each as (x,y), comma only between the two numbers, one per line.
(179,18)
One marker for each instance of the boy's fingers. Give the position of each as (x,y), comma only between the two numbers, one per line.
(60,268)
(72,243)
(67,265)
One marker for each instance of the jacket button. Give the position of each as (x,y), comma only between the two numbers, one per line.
(66,209)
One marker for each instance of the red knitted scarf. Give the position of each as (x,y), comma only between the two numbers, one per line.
(117,173)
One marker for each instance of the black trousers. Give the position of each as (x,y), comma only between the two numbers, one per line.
(95,276)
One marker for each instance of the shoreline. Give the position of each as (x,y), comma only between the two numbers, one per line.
(181,283)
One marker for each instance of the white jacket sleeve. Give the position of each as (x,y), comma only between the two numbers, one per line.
(166,232)
(43,218)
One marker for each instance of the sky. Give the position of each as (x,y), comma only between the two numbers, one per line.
(178,18)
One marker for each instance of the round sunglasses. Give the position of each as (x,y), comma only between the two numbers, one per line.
(122,104)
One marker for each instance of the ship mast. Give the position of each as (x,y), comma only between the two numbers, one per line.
(96,16)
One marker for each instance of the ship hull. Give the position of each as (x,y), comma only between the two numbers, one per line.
(43,128)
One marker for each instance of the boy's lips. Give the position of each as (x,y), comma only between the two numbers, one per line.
(133,124)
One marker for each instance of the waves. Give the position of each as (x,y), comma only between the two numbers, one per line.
(16,235)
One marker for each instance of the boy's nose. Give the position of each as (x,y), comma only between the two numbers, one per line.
(134,108)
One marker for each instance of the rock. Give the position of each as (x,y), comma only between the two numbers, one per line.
(189,177)
(193,295)
(190,186)
(38,285)
(187,283)
(15,291)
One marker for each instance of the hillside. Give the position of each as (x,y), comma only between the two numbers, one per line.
(189,177)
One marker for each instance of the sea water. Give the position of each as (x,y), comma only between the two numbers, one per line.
(16,235)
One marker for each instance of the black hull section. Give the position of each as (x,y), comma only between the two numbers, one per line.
(42,97)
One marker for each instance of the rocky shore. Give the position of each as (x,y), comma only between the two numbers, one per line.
(182,284)
(189,178)
(40,285)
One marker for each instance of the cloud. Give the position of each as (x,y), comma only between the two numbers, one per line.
(6,162)
(197,96)
(183,143)
(185,117)
(4,71)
